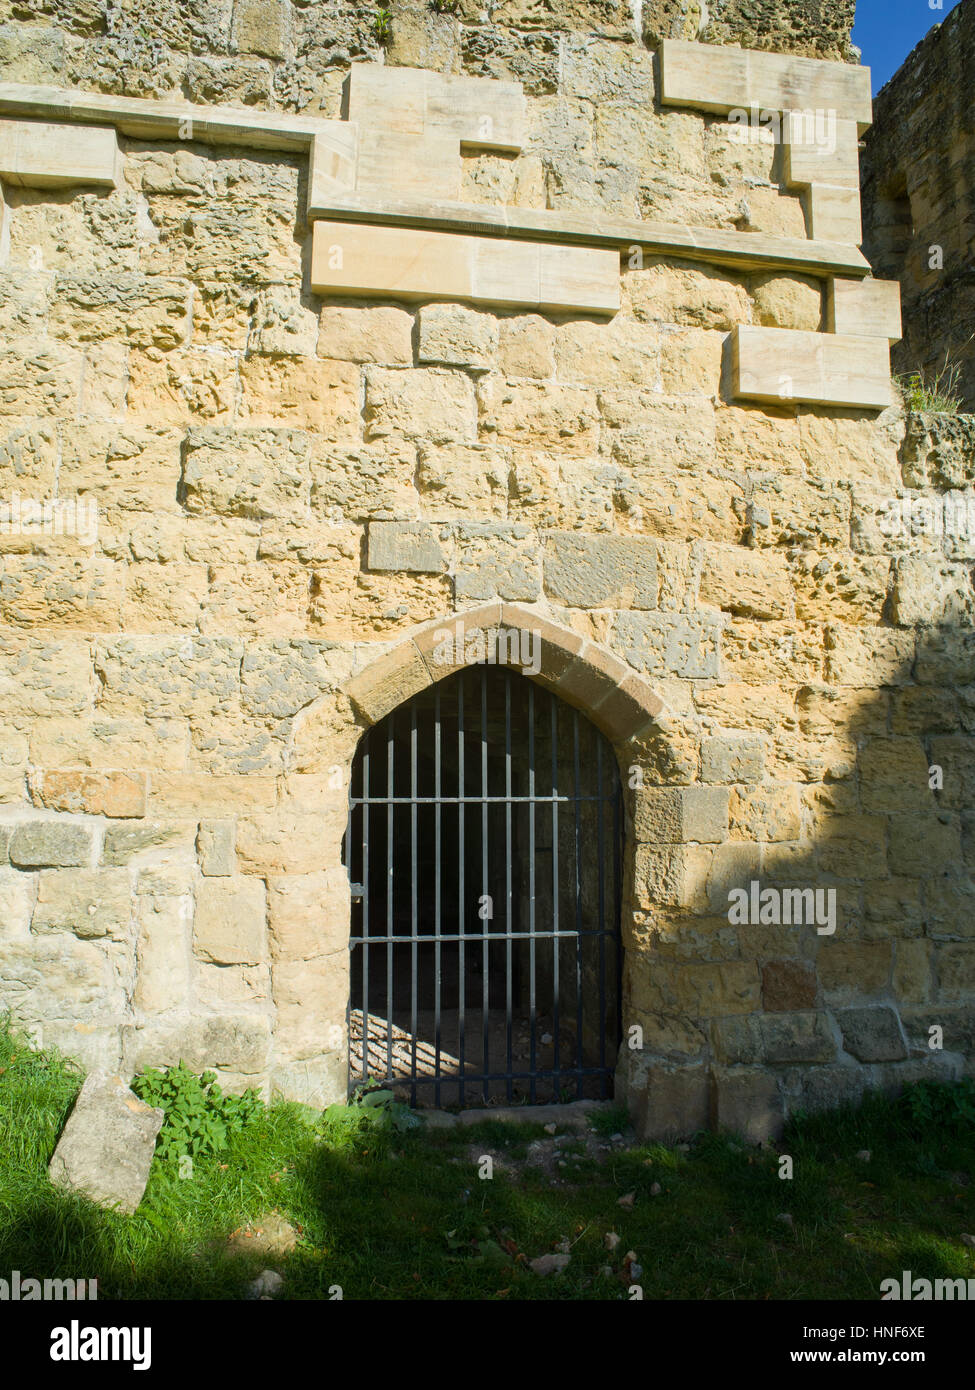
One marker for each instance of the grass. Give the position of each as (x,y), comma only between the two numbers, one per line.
(934,393)
(389,1215)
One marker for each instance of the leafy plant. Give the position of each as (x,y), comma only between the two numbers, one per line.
(382,24)
(936,393)
(200,1117)
(373,1105)
(944,1105)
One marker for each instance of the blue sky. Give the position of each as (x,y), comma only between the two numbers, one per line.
(887,30)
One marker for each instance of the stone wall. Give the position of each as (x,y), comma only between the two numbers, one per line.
(918,180)
(295,490)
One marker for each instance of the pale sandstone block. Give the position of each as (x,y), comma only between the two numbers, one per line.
(229,922)
(403,263)
(713,78)
(834,214)
(38,155)
(373,333)
(91,903)
(820,153)
(868,308)
(776,364)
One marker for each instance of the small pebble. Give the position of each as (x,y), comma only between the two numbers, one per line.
(627,1201)
(266,1285)
(863,1156)
(549,1129)
(786,1218)
(656,1190)
(967,1239)
(549,1264)
(611,1240)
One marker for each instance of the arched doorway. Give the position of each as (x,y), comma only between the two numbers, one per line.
(484,848)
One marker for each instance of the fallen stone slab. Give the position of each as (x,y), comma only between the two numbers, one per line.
(106,1148)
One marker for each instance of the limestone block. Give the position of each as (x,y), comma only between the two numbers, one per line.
(106,1148)
(229,923)
(454,479)
(17,894)
(317,1081)
(681,814)
(929,589)
(403,263)
(405,545)
(480,112)
(526,346)
(834,214)
(788,301)
(850,970)
(373,333)
(820,151)
(312,394)
(600,571)
(59,978)
(308,914)
(776,364)
(216,845)
(748,583)
(667,643)
(870,308)
(262,27)
(733,757)
(769,812)
(746,1101)
(454,336)
(495,560)
(429,404)
(788,985)
(665,1102)
(873,1035)
(50,843)
(115,794)
(36,154)
(125,843)
(715,78)
(311,998)
(91,903)
(163,976)
(238,1042)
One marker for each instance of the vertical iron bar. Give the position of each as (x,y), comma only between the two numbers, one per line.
(575,774)
(617,903)
(487,905)
(366,809)
(601,850)
(413,902)
(462,982)
(436,911)
(389,895)
(556,943)
(531,889)
(507,880)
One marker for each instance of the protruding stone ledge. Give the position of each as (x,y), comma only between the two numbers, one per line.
(37,154)
(782,365)
(709,77)
(406,264)
(868,308)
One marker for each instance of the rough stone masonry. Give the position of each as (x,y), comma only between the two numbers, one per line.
(697,497)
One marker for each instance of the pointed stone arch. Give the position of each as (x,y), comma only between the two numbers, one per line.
(313,802)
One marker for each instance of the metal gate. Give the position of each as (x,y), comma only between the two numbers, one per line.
(484,849)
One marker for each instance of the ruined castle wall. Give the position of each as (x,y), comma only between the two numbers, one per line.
(295,488)
(918,171)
